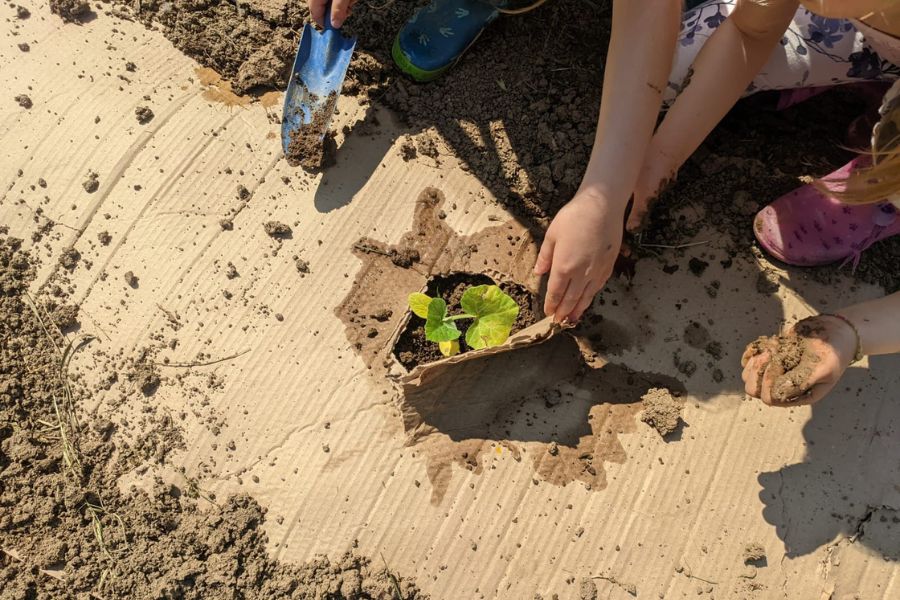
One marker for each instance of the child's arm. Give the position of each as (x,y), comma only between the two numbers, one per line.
(583,240)
(868,328)
(878,324)
(724,68)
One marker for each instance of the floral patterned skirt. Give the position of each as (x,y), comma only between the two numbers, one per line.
(814,52)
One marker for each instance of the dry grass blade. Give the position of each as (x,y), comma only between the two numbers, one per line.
(67,426)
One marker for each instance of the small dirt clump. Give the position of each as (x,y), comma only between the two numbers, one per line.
(661,411)
(22,12)
(277,229)
(104,238)
(70,11)
(754,552)
(131,279)
(65,316)
(92,183)
(23,101)
(302,266)
(69,258)
(143,114)
(404,257)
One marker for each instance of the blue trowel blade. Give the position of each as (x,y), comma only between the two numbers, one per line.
(319,71)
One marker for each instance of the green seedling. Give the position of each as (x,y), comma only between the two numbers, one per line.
(493,313)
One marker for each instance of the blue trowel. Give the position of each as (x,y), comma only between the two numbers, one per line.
(312,93)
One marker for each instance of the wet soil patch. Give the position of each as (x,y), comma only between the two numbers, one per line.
(413,349)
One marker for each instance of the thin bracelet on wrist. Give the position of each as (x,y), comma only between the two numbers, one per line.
(857,356)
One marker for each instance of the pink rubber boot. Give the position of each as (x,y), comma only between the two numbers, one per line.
(807,228)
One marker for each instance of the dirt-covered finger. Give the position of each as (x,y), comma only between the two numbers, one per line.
(587,298)
(556,290)
(573,296)
(545,256)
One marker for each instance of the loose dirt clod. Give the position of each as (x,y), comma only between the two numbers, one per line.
(23,101)
(92,183)
(22,12)
(661,410)
(404,257)
(277,229)
(69,258)
(24,47)
(302,266)
(131,279)
(70,11)
(143,114)
(104,238)
(754,552)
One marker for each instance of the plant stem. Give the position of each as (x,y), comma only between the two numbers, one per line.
(458,317)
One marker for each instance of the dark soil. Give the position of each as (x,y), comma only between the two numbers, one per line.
(311,145)
(71,11)
(23,101)
(413,349)
(175,541)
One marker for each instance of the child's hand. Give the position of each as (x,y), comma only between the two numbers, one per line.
(340,9)
(832,343)
(579,252)
(657,173)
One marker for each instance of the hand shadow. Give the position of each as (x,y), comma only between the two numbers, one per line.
(851,470)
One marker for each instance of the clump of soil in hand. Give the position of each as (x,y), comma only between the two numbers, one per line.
(144,114)
(131,279)
(413,349)
(92,183)
(70,11)
(277,228)
(661,410)
(23,101)
(311,146)
(754,552)
(791,361)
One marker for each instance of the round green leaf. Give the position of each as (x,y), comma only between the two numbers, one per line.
(495,312)
(437,328)
(418,303)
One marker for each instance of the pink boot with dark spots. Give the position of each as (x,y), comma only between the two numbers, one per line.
(807,228)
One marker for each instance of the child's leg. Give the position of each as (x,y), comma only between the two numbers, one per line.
(814,52)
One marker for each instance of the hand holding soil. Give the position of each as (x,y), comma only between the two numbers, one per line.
(800,366)
(579,252)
